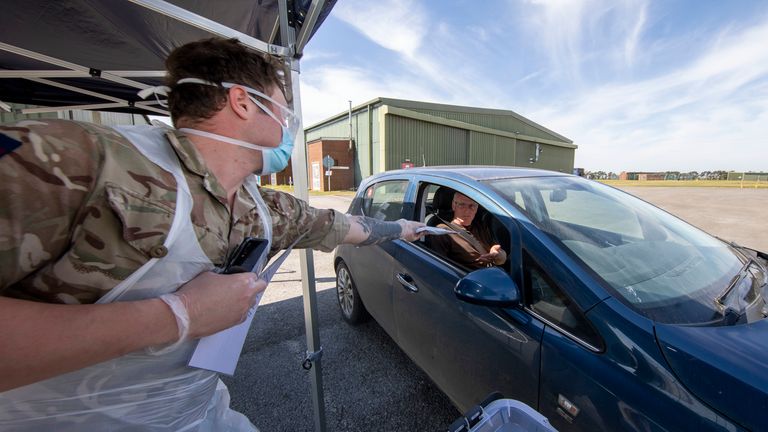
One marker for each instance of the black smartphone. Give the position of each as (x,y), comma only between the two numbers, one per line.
(246,256)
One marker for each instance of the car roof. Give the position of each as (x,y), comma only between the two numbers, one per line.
(474,172)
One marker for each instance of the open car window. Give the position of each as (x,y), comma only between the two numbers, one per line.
(434,208)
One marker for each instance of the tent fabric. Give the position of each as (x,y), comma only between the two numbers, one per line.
(117,35)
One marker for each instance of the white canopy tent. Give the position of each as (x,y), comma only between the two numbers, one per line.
(96,55)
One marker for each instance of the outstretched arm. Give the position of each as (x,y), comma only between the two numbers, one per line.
(365,231)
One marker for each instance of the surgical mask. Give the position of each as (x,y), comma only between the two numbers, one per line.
(275,159)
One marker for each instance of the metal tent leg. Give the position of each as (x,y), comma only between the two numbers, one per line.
(308,273)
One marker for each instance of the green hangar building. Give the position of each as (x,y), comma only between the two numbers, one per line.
(386,134)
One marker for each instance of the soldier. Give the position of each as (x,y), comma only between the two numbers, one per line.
(108,239)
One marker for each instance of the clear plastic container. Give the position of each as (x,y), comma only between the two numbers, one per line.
(502,415)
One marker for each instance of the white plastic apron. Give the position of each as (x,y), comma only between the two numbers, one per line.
(140,392)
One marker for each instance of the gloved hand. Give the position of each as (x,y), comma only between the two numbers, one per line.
(409,230)
(215,302)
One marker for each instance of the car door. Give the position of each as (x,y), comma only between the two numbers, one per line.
(467,350)
(372,266)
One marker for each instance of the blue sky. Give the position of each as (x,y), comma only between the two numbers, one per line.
(637,85)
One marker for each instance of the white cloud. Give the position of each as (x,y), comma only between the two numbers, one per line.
(576,34)
(398,25)
(435,61)
(326,90)
(630,44)
(710,111)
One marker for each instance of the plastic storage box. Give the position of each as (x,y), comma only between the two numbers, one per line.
(502,415)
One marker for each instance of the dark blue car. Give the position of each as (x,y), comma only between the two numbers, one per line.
(608,314)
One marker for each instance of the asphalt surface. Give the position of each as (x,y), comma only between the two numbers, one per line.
(369,383)
(732,214)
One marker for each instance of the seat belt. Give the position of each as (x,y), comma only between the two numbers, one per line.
(461,232)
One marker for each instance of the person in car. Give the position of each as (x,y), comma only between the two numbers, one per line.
(471,244)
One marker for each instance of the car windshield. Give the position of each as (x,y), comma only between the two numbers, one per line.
(659,265)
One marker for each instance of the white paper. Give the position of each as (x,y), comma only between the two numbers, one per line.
(434,230)
(220,351)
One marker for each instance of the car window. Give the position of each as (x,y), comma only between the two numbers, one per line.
(384,201)
(550,302)
(461,249)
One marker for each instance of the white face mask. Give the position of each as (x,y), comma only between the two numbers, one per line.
(274,159)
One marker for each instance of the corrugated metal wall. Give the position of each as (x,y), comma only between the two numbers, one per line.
(435,144)
(423,142)
(551,158)
(373,161)
(336,129)
(360,134)
(505,123)
(487,149)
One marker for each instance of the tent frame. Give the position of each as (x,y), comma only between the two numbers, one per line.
(290,51)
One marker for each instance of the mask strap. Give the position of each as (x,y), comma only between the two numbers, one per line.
(156,90)
(223,138)
(268,111)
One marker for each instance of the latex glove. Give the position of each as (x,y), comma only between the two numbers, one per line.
(216,302)
(409,230)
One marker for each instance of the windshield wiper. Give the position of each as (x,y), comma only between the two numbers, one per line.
(735,281)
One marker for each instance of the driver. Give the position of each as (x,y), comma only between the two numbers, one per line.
(470,244)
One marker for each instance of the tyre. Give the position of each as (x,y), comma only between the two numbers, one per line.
(352,309)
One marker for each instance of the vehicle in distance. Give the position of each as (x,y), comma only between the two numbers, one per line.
(608,314)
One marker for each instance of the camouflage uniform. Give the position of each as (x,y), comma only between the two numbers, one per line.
(82,209)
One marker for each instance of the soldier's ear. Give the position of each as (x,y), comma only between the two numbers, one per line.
(239,103)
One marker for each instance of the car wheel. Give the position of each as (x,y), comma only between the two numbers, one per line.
(351,306)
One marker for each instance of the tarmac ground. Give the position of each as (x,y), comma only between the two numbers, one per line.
(369,383)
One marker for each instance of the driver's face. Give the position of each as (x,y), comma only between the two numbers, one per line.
(464,209)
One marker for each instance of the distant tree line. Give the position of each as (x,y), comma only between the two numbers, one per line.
(668,175)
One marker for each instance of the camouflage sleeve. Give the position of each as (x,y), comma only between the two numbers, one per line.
(292,217)
(46,172)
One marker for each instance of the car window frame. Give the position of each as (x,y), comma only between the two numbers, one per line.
(581,314)
(361,207)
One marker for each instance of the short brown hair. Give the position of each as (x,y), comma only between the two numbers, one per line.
(216,60)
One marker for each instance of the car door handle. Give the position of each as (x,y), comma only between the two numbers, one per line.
(407,282)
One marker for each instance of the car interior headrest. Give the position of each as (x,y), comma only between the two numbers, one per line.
(442,200)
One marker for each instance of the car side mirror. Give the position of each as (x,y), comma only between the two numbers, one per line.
(488,287)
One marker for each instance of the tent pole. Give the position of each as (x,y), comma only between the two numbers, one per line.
(306,259)
(68,65)
(180,14)
(76,74)
(309,24)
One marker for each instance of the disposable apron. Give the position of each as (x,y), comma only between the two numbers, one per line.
(140,391)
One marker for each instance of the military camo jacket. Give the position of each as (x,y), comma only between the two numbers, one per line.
(81,209)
